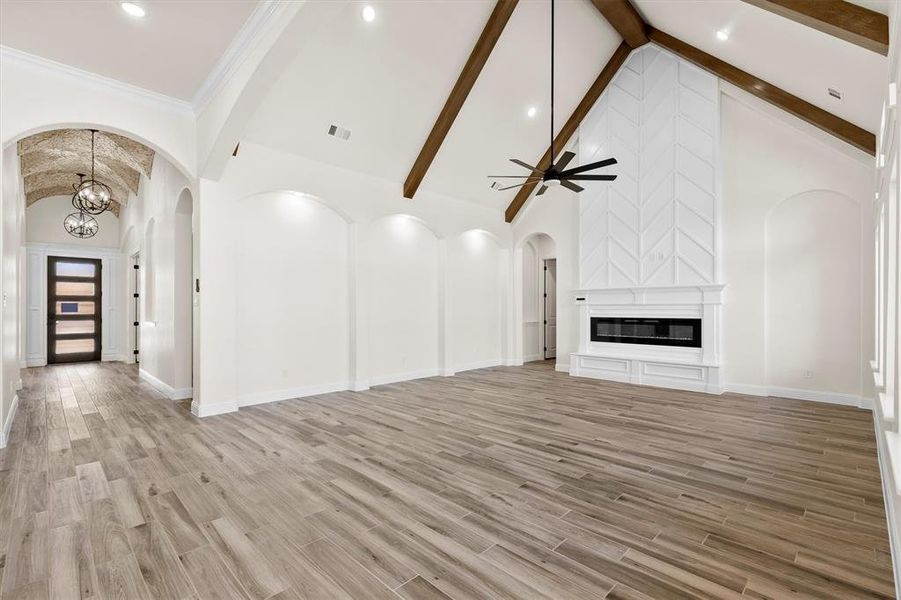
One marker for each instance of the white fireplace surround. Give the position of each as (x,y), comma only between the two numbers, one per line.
(696,369)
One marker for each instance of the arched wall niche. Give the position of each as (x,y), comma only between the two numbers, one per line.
(477,297)
(292,297)
(402,262)
(325,202)
(183,294)
(813,278)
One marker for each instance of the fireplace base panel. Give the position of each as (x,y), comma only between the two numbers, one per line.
(644,371)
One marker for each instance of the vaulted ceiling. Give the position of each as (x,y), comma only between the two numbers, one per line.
(51,161)
(388,80)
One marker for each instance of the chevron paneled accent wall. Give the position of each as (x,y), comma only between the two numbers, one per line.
(656,225)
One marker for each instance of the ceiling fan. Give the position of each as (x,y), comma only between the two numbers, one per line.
(557,174)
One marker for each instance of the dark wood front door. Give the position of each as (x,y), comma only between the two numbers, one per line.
(73,309)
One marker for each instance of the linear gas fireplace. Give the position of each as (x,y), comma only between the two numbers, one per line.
(656,332)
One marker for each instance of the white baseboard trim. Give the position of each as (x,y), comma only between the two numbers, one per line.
(481,364)
(360,386)
(291,393)
(209,410)
(888,493)
(23,364)
(164,388)
(531,357)
(799,394)
(563,367)
(448,372)
(41,361)
(398,377)
(19,384)
(182,393)
(8,425)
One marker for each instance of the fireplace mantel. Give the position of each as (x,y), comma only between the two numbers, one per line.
(666,366)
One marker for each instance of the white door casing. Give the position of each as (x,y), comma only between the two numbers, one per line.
(550,308)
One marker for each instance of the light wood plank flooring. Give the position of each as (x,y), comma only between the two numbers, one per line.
(499,483)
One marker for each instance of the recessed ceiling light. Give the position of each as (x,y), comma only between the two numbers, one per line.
(531,112)
(132,9)
(368,14)
(722,35)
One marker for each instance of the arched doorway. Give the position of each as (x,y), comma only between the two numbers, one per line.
(538,297)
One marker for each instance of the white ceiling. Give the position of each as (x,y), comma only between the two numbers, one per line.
(493,126)
(170,51)
(388,80)
(385,81)
(794,57)
(880,6)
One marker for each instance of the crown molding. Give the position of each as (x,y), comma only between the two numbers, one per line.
(260,20)
(32,61)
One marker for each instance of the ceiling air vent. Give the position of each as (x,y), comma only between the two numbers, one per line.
(834,93)
(339,132)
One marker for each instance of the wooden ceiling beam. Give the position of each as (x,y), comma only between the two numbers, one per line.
(465,82)
(569,128)
(843,130)
(625,19)
(850,22)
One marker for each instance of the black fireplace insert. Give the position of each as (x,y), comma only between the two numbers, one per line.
(657,332)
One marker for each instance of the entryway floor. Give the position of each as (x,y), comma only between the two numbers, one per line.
(498,483)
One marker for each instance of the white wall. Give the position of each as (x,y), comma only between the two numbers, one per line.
(38,95)
(656,224)
(404,275)
(812,300)
(771,170)
(292,297)
(44,224)
(400,259)
(886,348)
(477,299)
(183,286)
(11,234)
(164,358)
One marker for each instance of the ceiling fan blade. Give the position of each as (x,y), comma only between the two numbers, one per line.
(595,165)
(510,187)
(571,186)
(590,178)
(541,190)
(526,165)
(564,160)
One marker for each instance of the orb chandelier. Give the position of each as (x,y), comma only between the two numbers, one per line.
(92,196)
(81,225)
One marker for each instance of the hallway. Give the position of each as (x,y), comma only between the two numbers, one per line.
(504,482)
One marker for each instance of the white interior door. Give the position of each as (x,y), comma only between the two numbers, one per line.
(550,308)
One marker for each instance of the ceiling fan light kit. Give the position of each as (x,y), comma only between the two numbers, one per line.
(557,174)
